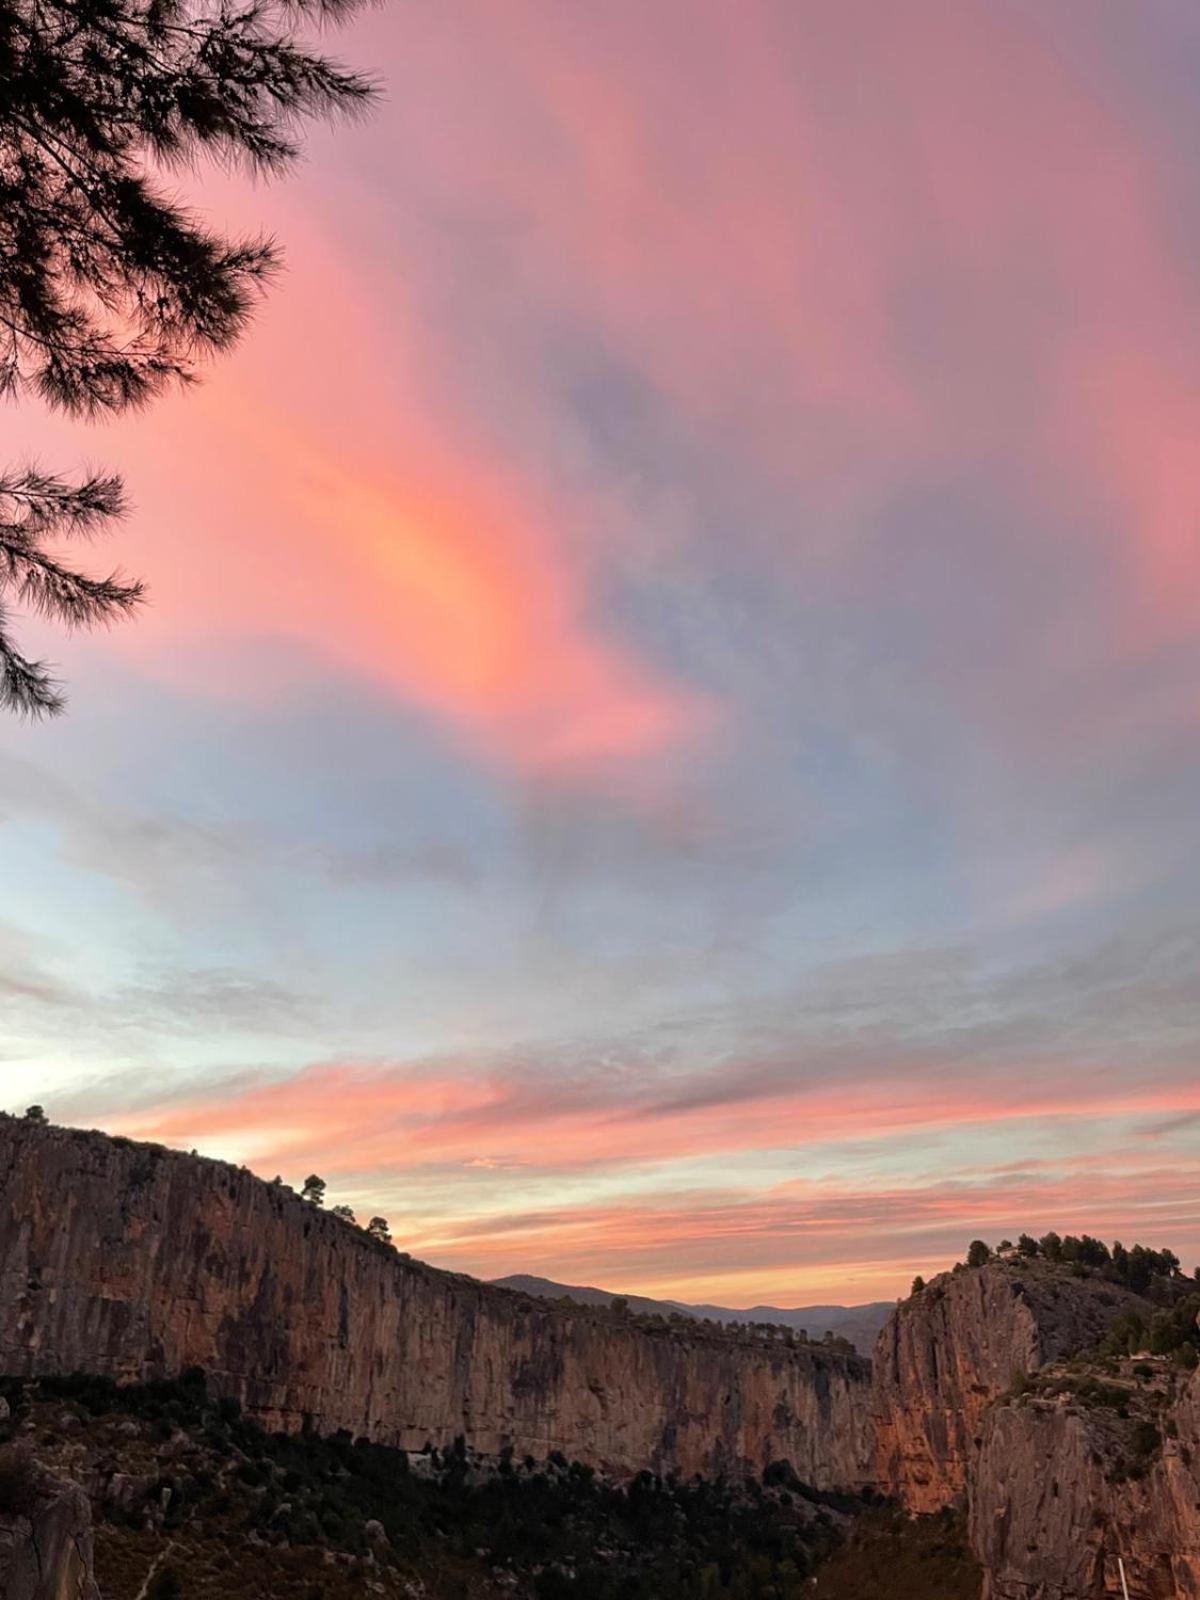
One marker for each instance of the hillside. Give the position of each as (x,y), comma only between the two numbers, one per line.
(185,1491)
(859,1325)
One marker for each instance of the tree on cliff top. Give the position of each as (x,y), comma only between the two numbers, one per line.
(111,291)
(313,1190)
(1152,1273)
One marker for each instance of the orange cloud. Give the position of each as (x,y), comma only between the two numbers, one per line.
(439,585)
(459,602)
(349,514)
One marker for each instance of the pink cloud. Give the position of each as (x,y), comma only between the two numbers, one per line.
(853,244)
(833,1240)
(686,191)
(357,1119)
(390,1141)
(375,530)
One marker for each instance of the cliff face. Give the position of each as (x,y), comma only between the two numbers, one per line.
(136,1262)
(945,1354)
(1062,1488)
(1063,1473)
(46,1549)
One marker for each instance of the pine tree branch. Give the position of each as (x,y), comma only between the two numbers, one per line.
(109,289)
(26,687)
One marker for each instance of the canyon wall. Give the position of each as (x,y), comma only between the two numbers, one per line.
(1065,1466)
(946,1353)
(136,1262)
(1064,1486)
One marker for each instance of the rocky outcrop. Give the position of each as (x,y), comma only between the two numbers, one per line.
(136,1262)
(1066,1483)
(46,1545)
(1065,1470)
(946,1353)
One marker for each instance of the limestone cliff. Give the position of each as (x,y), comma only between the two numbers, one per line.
(1076,1474)
(946,1353)
(134,1262)
(1066,1465)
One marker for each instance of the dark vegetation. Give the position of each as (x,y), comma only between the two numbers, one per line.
(18,1483)
(1154,1274)
(887,1555)
(458,1524)
(1132,1404)
(1171,1331)
(110,290)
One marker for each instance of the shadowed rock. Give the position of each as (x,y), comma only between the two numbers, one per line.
(46,1545)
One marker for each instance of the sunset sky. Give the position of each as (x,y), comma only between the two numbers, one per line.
(665,751)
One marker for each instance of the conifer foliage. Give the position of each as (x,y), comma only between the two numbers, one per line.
(37,511)
(110,289)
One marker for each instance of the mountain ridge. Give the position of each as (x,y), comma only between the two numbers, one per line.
(859,1324)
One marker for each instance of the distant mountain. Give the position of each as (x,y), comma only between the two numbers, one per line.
(549,1290)
(859,1324)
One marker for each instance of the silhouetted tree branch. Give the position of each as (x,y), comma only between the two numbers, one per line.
(110,290)
(36,510)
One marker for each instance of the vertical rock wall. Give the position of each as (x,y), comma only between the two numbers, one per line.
(945,1354)
(1060,1481)
(1062,1489)
(135,1262)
